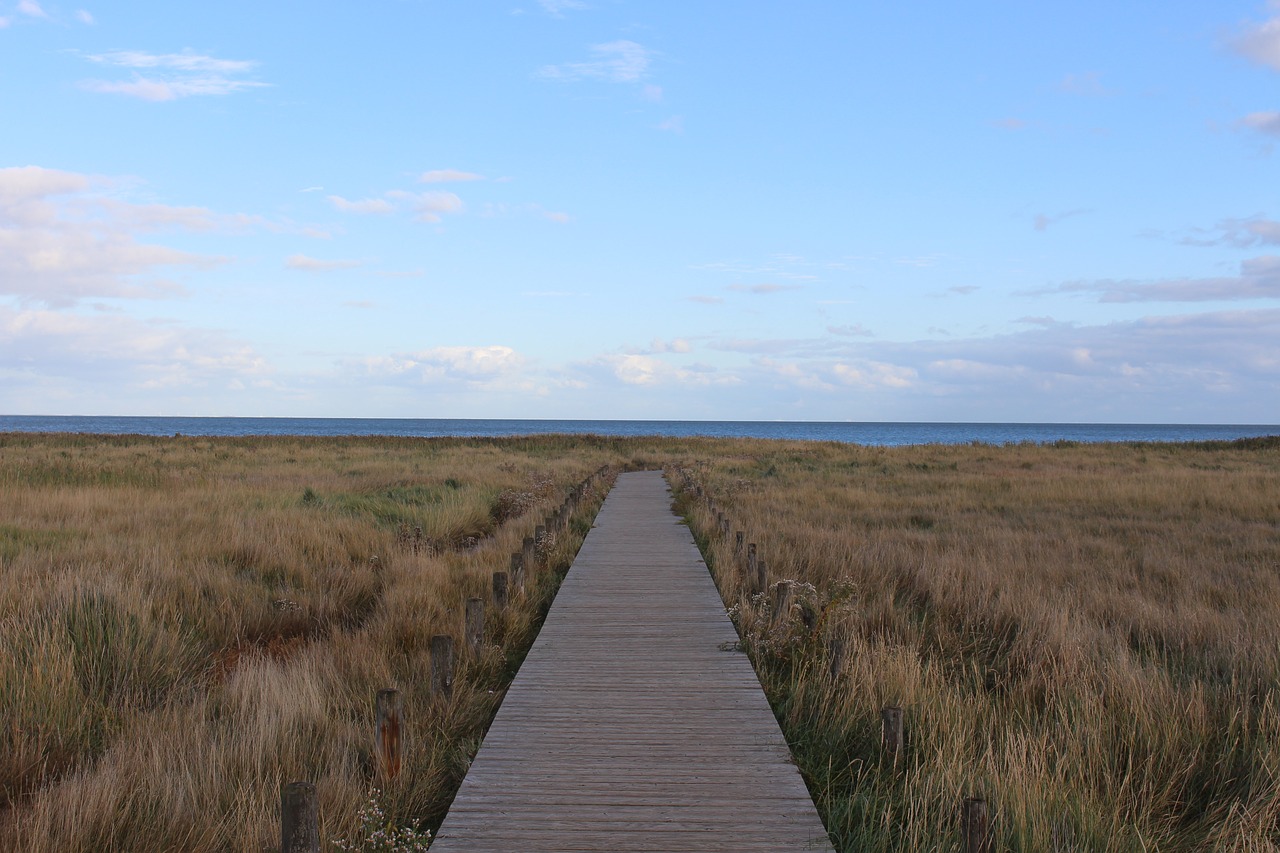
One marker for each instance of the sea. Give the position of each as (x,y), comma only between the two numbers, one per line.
(865,432)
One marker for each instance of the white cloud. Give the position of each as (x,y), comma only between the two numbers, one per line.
(475,365)
(4,22)
(122,352)
(1240,233)
(619,61)
(365,206)
(652,93)
(873,374)
(1264,122)
(440,176)
(180,75)
(32,9)
(1259,279)
(61,242)
(706,300)
(430,206)
(84,16)
(1260,43)
(556,217)
(856,330)
(306,264)
(637,369)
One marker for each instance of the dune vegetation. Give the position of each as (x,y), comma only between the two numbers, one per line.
(1084,635)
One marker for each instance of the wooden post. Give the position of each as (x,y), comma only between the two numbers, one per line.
(442,666)
(517,572)
(762,576)
(500,590)
(475,623)
(299,818)
(835,657)
(389,714)
(724,526)
(751,567)
(737,543)
(527,553)
(974,826)
(781,601)
(891,729)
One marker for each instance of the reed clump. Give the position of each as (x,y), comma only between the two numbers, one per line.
(1084,635)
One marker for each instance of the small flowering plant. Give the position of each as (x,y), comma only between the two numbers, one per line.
(377,834)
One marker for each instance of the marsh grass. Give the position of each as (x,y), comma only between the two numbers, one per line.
(1086,635)
(185,624)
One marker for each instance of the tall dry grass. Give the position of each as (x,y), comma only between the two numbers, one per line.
(186,624)
(1084,635)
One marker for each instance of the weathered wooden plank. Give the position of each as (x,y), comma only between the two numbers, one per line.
(633,723)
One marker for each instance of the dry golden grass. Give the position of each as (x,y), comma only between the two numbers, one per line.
(1085,635)
(186,624)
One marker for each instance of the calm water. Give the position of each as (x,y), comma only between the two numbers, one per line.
(859,433)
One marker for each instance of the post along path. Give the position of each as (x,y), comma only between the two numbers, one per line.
(632,724)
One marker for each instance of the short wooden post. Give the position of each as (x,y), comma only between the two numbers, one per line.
(751,567)
(724,526)
(975,826)
(500,590)
(527,553)
(299,818)
(891,729)
(835,657)
(517,572)
(737,543)
(389,714)
(781,601)
(442,666)
(474,627)
(762,576)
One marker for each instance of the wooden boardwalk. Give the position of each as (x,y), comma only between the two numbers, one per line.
(630,726)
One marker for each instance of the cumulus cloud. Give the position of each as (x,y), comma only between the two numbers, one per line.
(122,351)
(306,264)
(429,206)
(440,176)
(62,241)
(363,206)
(621,61)
(172,75)
(1260,42)
(1263,122)
(644,370)
(474,365)
(1259,279)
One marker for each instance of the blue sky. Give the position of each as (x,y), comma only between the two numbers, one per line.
(1002,211)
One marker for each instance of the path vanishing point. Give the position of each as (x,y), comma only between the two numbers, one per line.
(632,724)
